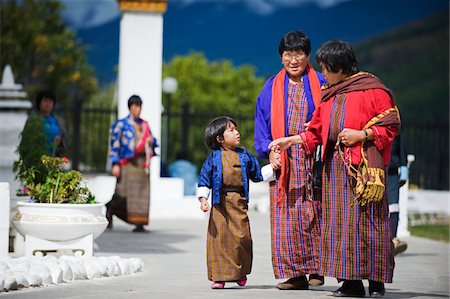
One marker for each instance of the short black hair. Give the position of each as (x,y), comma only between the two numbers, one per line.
(337,56)
(44,94)
(295,41)
(134,100)
(215,129)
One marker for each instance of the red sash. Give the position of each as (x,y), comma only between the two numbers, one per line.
(278,121)
(142,145)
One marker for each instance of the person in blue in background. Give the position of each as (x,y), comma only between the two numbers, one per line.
(182,168)
(55,133)
(132,147)
(227,171)
(397,177)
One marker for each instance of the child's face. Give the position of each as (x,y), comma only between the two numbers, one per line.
(231,137)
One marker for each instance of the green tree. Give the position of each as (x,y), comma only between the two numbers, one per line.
(42,51)
(212,88)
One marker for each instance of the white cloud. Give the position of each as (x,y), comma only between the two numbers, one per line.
(266,7)
(88,13)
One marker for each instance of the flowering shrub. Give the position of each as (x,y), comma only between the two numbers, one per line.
(59,186)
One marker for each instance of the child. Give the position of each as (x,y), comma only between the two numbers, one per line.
(227,172)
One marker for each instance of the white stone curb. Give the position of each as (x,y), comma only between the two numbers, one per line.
(24,272)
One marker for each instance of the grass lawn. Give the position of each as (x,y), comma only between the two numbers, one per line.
(435,232)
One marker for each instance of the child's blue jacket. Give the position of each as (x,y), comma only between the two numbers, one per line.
(211,172)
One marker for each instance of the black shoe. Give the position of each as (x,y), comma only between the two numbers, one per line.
(376,289)
(316,280)
(109,217)
(350,288)
(140,229)
(295,283)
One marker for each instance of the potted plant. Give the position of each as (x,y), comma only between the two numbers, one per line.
(60,207)
(57,186)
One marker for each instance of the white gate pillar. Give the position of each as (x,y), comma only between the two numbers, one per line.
(140,62)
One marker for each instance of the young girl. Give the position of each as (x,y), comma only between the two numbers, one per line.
(227,172)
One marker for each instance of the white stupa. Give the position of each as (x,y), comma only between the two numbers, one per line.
(13,115)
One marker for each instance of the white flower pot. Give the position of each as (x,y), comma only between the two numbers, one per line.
(59,222)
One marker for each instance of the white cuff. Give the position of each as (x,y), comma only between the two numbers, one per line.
(394,208)
(203,192)
(268,173)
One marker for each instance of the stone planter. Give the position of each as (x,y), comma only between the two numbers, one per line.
(16,241)
(59,226)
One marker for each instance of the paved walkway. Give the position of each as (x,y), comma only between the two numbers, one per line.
(175,267)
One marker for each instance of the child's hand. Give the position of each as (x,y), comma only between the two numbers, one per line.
(204,205)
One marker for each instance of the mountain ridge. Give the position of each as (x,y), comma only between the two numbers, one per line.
(231,32)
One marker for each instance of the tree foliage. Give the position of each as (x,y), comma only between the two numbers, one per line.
(212,88)
(42,51)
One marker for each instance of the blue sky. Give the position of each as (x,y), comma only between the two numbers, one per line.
(243,31)
(88,13)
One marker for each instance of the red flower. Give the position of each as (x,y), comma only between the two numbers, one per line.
(64,159)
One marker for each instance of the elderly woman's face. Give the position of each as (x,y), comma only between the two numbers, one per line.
(331,77)
(295,63)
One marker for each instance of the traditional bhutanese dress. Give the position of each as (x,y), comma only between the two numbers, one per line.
(356,240)
(229,249)
(295,219)
(131,200)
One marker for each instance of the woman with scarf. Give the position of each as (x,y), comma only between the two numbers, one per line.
(132,146)
(283,108)
(356,123)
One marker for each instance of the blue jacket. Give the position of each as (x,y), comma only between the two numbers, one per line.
(211,173)
(122,139)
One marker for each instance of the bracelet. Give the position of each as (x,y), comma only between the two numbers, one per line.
(367,135)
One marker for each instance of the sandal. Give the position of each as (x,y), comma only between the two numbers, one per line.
(218,285)
(241,281)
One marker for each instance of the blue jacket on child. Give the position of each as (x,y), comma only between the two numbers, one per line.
(211,173)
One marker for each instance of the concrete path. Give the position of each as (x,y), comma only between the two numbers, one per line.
(175,267)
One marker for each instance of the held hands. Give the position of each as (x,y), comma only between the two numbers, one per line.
(284,143)
(204,205)
(275,160)
(115,171)
(349,137)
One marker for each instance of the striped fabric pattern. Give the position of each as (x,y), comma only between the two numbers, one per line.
(356,241)
(295,226)
(229,243)
(131,200)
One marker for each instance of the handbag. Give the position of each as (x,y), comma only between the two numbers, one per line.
(317,168)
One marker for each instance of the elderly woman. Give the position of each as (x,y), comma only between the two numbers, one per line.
(283,108)
(356,123)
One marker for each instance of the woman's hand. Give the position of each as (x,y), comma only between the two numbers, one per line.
(349,137)
(275,160)
(115,171)
(283,143)
(306,125)
(204,205)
